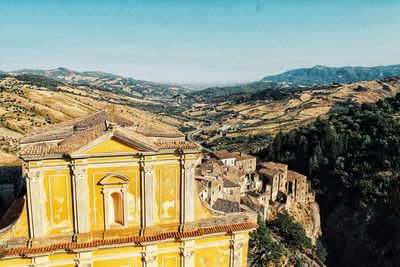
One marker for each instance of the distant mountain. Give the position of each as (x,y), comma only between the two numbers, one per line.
(110,82)
(319,75)
(228,91)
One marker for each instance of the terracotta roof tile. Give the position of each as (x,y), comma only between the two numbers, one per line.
(66,137)
(229,183)
(200,186)
(292,175)
(273,165)
(268,172)
(21,251)
(226,206)
(164,145)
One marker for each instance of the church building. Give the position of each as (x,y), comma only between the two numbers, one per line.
(107,191)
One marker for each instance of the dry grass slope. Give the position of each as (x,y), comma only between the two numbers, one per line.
(24,106)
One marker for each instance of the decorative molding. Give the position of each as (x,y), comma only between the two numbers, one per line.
(187,253)
(149,258)
(122,179)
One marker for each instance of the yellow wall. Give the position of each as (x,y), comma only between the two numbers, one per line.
(111,146)
(15,262)
(168,193)
(171,259)
(58,201)
(209,251)
(216,256)
(96,201)
(119,262)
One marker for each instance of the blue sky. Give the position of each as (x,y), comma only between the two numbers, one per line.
(198,41)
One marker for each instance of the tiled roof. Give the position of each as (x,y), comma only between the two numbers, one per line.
(292,175)
(229,183)
(242,156)
(177,144)
(67,137)
(200,186)
(21,251)
(268,172)
(273,165)
(226,206)
(225,154)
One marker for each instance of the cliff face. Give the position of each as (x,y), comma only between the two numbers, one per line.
(308,216)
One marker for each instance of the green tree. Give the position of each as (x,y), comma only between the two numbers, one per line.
(265,249)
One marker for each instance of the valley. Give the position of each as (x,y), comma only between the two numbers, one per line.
(272,110)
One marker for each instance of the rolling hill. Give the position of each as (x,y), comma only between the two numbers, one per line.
(319,75)
(28,101)
(110,82)
(282,109)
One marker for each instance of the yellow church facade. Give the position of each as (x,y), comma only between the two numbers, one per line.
(105,191)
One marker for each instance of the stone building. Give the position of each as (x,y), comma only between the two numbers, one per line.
(286,183)
(202,189)
(299,187)
(244,162)
(275,174)
(215,187)
(231,191)
(106,190)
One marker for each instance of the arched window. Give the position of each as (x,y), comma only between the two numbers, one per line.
(116,209)
(115,192)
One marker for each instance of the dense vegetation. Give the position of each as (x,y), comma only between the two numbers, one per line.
(263,247)
(283,237)
(353,160)
(328,75)
(38,80)
(235,92)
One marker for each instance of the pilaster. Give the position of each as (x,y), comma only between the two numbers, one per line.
(149,256)
(36,203)
(237,243)
(84,259)
(187,253)
(187,191)
(81,198)
(40,261)
(148,195)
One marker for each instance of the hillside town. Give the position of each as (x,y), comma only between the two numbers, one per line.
(234,181)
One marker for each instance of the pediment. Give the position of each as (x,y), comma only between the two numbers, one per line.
(112,143)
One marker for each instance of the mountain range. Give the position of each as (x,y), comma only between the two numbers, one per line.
(319,75)
(109,82)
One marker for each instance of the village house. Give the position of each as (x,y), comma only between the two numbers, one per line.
(299,187)
(105,190)
(275,174)
(244,162)
(286,183)
(214,187)
(231,191)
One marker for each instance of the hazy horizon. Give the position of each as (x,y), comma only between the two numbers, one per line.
(197,42)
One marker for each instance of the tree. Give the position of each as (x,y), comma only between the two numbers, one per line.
(265,249)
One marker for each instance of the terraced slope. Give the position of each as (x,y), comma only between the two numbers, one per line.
(263,112)
(27,104)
